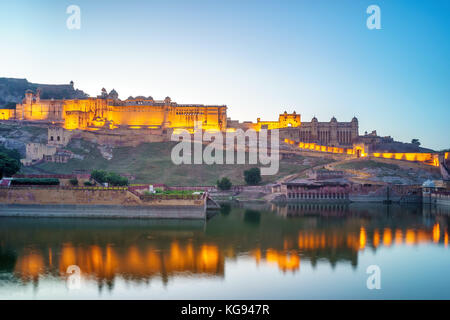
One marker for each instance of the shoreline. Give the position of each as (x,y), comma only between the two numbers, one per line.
(102,211)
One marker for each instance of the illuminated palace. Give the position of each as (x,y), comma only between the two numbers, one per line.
(110,121)
(108,111)
(332,133)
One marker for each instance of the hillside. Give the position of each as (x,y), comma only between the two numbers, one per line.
(386,171)
(151,162)
(12,91)
(16,137)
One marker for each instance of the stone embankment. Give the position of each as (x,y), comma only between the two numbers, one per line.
(98,202)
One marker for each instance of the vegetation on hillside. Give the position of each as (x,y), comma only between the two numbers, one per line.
(151,163)
(36,181)
(252,176)
(369,164)
(224,184)
(111,178)
(159,191)
(12,153)
(9,162)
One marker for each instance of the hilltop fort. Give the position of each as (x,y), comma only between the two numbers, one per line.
(110,121)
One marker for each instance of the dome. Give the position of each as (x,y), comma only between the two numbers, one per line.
(314,119)
(355,119)
(113,94)
(333,119)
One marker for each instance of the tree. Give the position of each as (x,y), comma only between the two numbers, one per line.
(99,175)
(8,165)
(12,153)
(252,176)
(224,184)
(416,142)
(111,178)
(115,179)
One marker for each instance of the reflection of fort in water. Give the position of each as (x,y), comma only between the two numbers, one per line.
(104,263)
(140,251)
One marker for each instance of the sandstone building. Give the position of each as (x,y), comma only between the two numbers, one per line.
(285,120)
(113,122)
(332,133)
(108,111)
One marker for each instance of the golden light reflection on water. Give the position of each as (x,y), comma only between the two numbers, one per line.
(30,266)
(288,259)
(135,262)
(387,237)
(436,233)
(362,238)
(185,257)
(376,238)
(285,260)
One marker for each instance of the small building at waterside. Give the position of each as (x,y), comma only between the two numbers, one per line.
(311,190)
(436,192)
(336,188)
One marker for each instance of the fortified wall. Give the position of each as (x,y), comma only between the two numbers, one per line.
(109,121)
(361,150)
(108,111)
(285,120)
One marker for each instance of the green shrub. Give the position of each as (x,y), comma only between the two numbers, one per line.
(111,178)
(13,153)
(115,179)
(252,176)
(224,184)
(74,181)
(8,165)
(160,191)
(99,175)
(36,181)
(89,184)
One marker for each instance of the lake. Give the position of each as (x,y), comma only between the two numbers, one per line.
(305,251)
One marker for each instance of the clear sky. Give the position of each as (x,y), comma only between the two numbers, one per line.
(258,57)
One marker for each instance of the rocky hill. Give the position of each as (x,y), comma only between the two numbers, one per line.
(397,146)
(12,91)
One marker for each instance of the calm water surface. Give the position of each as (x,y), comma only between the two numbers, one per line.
(258,252)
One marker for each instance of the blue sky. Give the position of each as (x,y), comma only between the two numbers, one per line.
(258,57)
